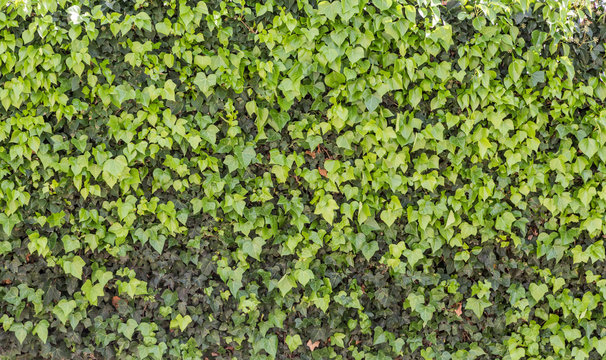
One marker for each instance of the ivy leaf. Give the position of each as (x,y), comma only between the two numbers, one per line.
(74,266)
(293,342)
(41,330)
(253,247)
(334,79)
(205,83)
(537,291)
(9,222)
(443,34)
(180,322)
(426,313)
(537,77)
(369,249)
(123,92)
(157,242)
(286,284)
(127,329)
(382,4)
(326,207)
(601,346)
(477,306)
(63,309)
(416,95)
(20,331)
(247,156)
(504,221)
(113,169)
(515,69)
(372,102)
(70,244)
(589,147)
(5,247)
(303,276)
(272,346)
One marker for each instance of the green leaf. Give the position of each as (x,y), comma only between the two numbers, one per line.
(9,222)
(515,69)
(253,247)
(537,77)
(123,93)
(334,79)
(416,95)
(20,331)
(443,34)
(63,309)
(163,28)
(114,170)
(382,4)
(271,346)
(369,249)
(504,221)
(329,9)
(601,346)
(286,284)
(517,353)
(180,322)
(372,102)
(127,329)
(589,147)
(41,330)
(169,90)
(413,256)
(537,291)
(337,339)
(247,156)
(157,242)
(5,247)
(303,276)
(326,207)
(74,266)
(205,83)
(426,313)
(293,342)
(477,306)
(70,244)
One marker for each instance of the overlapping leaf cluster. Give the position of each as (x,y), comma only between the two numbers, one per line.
(302,179)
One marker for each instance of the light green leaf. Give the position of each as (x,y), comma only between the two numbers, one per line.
(515,69)
(286,284)
(127,329)
(589,147)
(205,83)
(504,221)
(293,342)
(443,34)
(382,4)
(41,330)
(477,305)
(303,276)
(538,291)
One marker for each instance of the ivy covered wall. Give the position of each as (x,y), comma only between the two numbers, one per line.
(302,179)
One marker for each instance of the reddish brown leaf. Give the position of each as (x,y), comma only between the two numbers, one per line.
(311,153)
(115,300)
(313,345)
(459,310)
(323,172)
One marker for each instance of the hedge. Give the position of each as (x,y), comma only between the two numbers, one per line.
(302,180)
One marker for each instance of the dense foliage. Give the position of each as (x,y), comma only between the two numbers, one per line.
(302,179)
